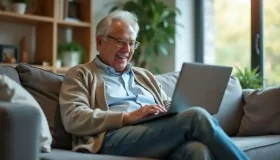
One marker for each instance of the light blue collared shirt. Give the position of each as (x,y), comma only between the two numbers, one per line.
(122,92)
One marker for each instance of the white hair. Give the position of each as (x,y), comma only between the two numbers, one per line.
(104,26)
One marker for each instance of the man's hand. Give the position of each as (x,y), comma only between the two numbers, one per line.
(142,112)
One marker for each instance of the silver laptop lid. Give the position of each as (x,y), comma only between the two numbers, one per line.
(200,85)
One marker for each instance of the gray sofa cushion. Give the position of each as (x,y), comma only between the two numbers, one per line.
(168,82)
(58,154)
(260,147)
(261,112)
(44,86)
(230,112)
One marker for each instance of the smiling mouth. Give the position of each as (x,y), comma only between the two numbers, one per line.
(121,57)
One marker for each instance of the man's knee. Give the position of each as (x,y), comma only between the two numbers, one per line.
(196,147)
(196,113)
(197,118)
(197,150)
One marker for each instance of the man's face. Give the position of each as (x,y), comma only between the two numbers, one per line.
(110,49)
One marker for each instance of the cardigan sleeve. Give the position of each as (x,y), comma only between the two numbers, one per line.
(79,114)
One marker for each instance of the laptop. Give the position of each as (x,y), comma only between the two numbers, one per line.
(199,84)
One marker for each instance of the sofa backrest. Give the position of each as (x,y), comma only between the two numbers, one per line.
(44,86)
(10,72)
(230,112)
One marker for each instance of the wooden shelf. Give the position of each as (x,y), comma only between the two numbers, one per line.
(62,69)
(49,68)
(8,64)
(63,23)
(24,18)
(50,29)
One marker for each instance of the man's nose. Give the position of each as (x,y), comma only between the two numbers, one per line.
(126,47)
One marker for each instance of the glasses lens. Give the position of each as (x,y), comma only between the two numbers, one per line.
(136,44)
(120,43)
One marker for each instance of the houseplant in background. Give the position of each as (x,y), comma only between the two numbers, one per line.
(18,6)
(249,79)
(157,30)
(70,53)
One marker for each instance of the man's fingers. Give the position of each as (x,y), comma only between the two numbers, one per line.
(157,107)
(163,108)
(149,111)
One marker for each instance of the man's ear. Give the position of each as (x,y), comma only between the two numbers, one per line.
(98,41)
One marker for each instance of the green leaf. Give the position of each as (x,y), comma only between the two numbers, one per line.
(171,40)
(69,47)
(163,49)
(248,78)
(165,14)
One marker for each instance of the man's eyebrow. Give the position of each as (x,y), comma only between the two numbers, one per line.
(124,39)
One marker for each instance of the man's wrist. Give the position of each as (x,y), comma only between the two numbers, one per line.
(125,118)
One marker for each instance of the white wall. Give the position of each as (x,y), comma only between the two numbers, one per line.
(185,38)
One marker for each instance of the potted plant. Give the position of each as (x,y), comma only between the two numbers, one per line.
(157,30)
(19,6)
(70,53)
(249,79)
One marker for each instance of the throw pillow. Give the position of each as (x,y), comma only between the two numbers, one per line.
(261,112)
(14,93)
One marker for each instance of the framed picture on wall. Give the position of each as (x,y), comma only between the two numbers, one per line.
(72,10)
(2,5)
(9,53)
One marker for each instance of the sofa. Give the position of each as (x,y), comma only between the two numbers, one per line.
(250,117)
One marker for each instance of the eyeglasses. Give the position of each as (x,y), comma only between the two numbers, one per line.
(122,43)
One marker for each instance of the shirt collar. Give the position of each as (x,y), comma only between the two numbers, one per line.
(110,70)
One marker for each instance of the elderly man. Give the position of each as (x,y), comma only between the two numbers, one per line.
(101,98)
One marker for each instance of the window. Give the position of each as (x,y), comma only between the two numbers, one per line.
(227,40)
(245,34)
(271,16)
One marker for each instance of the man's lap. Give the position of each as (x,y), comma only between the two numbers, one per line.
(151,139)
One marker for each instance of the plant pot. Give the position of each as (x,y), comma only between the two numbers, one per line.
(70,59)
(19,8)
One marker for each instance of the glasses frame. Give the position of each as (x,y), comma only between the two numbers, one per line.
(121,43)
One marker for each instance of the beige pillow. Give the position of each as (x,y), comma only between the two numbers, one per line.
(15,93)
(261,112)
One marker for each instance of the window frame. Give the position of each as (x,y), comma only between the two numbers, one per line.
(257,49)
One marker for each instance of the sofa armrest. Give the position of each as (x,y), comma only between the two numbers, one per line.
(19,132)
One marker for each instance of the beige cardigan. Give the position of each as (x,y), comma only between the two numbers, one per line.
(84,111)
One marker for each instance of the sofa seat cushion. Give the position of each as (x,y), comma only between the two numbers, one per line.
(260,147)
(69,155)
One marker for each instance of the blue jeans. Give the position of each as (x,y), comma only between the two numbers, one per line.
(193,134)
